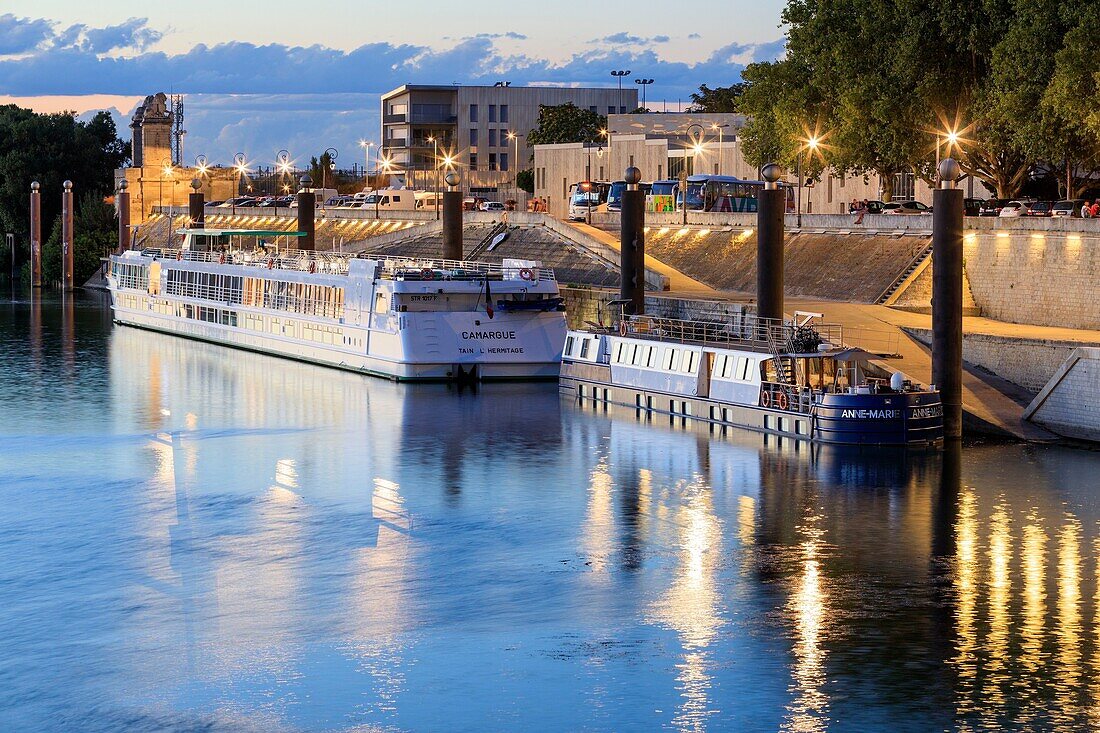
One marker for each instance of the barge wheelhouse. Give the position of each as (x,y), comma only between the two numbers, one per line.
(795,379)
(402,318)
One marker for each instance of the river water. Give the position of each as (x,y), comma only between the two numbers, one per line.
(194,538)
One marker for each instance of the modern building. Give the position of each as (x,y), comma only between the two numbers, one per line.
(484,129)
(663,145)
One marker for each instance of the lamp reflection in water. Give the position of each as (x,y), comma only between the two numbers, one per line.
(599,522)
(966,605)
(1067,711)
(809,709)
(996,673)
(690,607)
(1032,630)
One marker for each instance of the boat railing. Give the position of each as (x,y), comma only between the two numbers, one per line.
(744,331)
(336,263)
(790,397)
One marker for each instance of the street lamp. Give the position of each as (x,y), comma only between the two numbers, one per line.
(619,74)
(168,173)
(697,148)
(951,137)
(515,162)
(643,83)
(435,167)
(812,144)
(366,145)
(587,185)
(242,169)
(715,126)
(200,164)
(332,156)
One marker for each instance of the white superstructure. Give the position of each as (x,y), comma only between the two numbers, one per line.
(402,318)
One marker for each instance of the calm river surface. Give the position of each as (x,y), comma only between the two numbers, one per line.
(193,538)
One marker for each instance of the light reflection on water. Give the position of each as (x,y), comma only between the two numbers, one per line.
(193,537)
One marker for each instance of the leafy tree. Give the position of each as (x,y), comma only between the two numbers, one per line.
(719,99)
(50,148)
(566,123)
(525,180)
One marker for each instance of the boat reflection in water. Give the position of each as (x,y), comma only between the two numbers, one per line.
(235,541)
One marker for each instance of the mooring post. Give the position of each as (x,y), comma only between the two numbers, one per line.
(36,235)
(947,295)
(452,218)
(195,205)
(307,213)
(771,206)
(67,258)
(632,244)
(123,199)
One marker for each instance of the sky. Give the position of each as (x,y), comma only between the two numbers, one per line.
(305,76)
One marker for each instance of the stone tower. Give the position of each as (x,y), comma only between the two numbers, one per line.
(152,133)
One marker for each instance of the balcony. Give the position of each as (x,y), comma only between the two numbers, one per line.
(432,117)
(393,119)
(395,142)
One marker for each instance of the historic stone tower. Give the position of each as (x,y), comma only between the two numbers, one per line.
(152,133)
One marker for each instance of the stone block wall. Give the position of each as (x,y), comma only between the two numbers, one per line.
(1047,278)
(1070,403)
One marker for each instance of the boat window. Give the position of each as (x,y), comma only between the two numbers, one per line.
(719,365)
(674,363)
(584,348)
(618,352)
(381,303)
(652,360)
(727,370)
(569,345)
(744,368)
(691,358)
(639,355)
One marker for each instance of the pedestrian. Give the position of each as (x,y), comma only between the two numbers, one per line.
(1086,210)
(862,210)
(1094,210)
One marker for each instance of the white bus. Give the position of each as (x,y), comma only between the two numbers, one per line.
(587,196)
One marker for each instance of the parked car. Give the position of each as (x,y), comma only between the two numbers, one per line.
(1038,208)
(237,201)
(1067,208)
(873,207)
(972,207)
(906,207)
(212,204)
(1013,209)
(492,206)
(992,207)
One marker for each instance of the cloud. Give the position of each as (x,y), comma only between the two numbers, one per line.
(694,36)
(21,35)
(133,33)
(623,38)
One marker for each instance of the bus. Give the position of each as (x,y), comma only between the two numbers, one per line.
(587,196)
(724,193)
(615,194)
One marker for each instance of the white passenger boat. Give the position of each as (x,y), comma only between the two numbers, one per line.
(402,318)
(790,378)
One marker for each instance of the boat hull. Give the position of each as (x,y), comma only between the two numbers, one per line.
(900,419)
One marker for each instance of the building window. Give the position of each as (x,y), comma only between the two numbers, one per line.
(473,137)
(622,110)
(611,110)
(492,134)
(473,161)
(592,108)
(659,176)
(503,113)
(492,161)
(473,113)
(601,178)
(492,113)
(631,160)
(564,187)
(504,161)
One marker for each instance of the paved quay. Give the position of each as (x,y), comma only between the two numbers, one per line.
(679,283)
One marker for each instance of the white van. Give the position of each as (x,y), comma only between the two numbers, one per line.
(391,199)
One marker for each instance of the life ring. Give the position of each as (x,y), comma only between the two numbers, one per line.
(765,399)
(179,255)
(781,401)
(270,263)
(221,260)
(622,328)
(427,274)
(526,274)
(312,266)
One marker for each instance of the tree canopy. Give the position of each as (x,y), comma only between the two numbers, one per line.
(52,148)
(566,123)
(880,83)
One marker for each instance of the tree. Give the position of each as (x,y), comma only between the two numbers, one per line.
(525,180)
(566,123)
(50,148)
(719,99)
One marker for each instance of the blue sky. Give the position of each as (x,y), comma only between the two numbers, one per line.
(305,76)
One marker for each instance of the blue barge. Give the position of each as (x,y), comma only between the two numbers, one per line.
(792,378)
